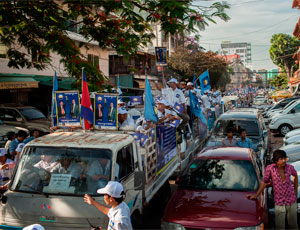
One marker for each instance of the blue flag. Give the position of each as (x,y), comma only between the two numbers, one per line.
(135,100)
(152,133)
(194,79)
(53,107)
(136,136)
(174,123)
(143,139)
(149,104)
(204,82)
(195,107)
(178,108)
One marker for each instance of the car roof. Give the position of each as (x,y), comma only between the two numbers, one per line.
(226,153)
(240,113)
(82,139)
(15,106)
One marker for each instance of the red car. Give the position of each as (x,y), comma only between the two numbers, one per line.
(212,191)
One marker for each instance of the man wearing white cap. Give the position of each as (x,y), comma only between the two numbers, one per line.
(163,114)
(6,165)
(119,213)
(125,122)
(174,95)
(34,227)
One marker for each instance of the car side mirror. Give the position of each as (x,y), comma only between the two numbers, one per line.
(139,180)
(293,111)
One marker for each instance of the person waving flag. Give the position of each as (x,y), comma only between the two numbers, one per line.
(86,107)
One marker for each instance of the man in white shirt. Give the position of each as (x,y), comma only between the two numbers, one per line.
(119,213)
(125,122)
(163,114)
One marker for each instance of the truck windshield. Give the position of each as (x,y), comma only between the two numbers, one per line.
(213,174)
(62,170)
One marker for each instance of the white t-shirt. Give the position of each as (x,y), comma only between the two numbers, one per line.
(128,124)
(173,96)
(119,218)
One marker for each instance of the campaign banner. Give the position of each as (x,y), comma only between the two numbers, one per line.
(135,100)
(67,108)
(106,111)
(161,55)
(166,146)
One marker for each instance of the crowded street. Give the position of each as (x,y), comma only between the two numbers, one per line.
(149,114)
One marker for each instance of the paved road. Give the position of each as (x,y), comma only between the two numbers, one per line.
(155,210)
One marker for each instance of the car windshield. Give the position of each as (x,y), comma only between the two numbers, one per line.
(251,127)
(213,174)
(72,171)
(32,114)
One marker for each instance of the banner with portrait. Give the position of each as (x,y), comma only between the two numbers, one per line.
(67,108)
(106,111)
(166,146)
(161,55)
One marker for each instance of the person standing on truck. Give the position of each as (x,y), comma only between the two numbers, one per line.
(119,213)
(21,136)
(125,122)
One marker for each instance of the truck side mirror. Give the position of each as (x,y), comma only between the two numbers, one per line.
(293,111)
(139,180)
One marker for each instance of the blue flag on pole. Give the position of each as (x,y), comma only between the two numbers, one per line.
(195,107)
(149,104)
(194,79)
(204,82)
(174,123)
(178,108)
(53,107)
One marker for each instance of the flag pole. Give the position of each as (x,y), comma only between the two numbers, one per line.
(83,122)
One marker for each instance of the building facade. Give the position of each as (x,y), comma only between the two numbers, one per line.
(243,49)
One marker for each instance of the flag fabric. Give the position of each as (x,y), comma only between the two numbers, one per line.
(174,123)
(195,107)
(204,82)
(86,106)
(194,79)
(135,100)
(152,133)
(53,107)
(150,113)
(178,108)
(143,139)
(136,136)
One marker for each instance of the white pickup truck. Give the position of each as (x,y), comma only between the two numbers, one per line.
(55,171)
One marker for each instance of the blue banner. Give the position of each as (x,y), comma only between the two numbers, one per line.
(135,100)
(67,108)
(106,112)
(166,146)
(178,108)
(161,55)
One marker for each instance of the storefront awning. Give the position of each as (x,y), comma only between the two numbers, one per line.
(63,83)
(18,82)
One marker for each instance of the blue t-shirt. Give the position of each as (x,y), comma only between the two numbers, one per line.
(13,145)
(245,144)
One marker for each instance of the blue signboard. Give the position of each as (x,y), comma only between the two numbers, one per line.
(135,100)
(166,146)
(67,108)
(161,55)
(106,111)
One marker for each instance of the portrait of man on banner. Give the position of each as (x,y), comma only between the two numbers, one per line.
(106,111)
(67,108)
(161,55)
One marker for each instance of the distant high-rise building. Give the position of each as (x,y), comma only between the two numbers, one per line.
(243,49)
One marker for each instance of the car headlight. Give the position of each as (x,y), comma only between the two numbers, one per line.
(171,226)
(258,227)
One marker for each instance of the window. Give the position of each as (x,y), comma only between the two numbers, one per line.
(9,115)
(79,170)
(93,59)
(3,51)
(125,161)
(297,109)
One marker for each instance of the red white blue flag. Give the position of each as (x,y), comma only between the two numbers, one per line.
(86,106)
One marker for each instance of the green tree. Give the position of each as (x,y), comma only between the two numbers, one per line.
(283,46)
(124,25)
(187,63)
(280,81)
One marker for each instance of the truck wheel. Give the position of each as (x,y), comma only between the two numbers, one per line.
(284,129)
(136,220)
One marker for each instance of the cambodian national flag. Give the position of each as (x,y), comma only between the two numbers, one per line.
(86,107)
(204,82)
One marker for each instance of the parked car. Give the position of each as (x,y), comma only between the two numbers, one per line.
(4,129)
(291,133)
(292,139)
(287,120)
(25,116)
(237,119)
(292,152)
(211,192)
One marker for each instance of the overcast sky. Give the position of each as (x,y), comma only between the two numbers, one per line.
(253,21)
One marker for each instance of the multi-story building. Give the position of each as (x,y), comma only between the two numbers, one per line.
(243,49)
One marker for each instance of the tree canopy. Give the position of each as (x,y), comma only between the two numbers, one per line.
(283,46)
(123,25)
(280,81)
(187,63)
